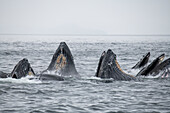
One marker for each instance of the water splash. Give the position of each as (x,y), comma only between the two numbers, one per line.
(28,80)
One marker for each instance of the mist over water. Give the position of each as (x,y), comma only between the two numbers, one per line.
(88,93)
(84,38)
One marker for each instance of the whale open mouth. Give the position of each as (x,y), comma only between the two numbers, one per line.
(61,58)
(63,54)
(62,62)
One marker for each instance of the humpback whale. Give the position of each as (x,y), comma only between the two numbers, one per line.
(147,70)
(62,61)
(142,61)
(162,66)
(22,69)
(108,67)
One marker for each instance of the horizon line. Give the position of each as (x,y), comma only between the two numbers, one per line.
(92,34)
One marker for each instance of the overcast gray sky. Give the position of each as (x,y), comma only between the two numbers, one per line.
(101,17)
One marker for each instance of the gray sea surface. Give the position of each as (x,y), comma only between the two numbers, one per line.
(86,94)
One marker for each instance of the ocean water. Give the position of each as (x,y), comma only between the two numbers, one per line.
(86,94)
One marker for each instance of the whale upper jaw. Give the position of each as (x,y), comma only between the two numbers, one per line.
(146,58)
(142,62)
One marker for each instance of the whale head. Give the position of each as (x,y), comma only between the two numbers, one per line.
(22,69)
(106,60)
(62,61)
